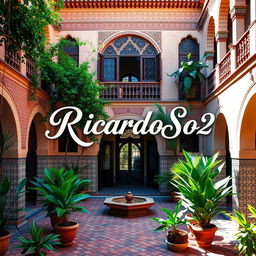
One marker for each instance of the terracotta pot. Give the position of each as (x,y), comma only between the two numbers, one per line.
(4,243)
(55,220)
(191,220)
(204,236)
(174,197)
(67,233)
(177,242)
(176,247)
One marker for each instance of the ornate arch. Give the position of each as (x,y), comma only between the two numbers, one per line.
(222,23)
(121,34)
(188,44)
(210,36)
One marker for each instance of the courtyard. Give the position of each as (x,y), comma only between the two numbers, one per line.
(102,234)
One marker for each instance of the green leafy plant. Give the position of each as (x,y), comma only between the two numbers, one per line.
(201,195)
(166,178)
(37,244)
(6,207)
(247,232)
(173,219)
(188,72)
(58,190)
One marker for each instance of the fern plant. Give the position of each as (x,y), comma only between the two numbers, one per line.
(37,244)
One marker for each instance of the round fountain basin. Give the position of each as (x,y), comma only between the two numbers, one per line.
(138,207)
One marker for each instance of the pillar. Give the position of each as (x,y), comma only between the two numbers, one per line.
(221,38)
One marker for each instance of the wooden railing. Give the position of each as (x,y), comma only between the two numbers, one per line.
(13,59)
(29,68)
(131,91)
(225,67)
(243,49)
(211,80)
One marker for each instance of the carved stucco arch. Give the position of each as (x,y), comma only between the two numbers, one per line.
(117,35)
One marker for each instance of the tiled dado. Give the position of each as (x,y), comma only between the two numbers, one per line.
(245,182)
(15,170)
(90,164)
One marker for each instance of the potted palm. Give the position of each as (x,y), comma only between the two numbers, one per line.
(189,78)
(59,191)
(177,240)
(37,244)
(6,211)
(55,178)
(166,178)
(246,235)
(201,195)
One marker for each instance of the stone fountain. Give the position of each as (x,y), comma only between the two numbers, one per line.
(129,205)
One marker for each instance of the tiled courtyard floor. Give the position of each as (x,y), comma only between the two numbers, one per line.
(101,234)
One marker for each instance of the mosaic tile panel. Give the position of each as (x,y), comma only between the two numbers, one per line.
(14,169)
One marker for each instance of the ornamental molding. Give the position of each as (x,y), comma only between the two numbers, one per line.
(105,38)
(221,36)
(238,12)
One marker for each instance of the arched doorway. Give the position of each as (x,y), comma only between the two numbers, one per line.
(128,159)
(31,165)
(221,144)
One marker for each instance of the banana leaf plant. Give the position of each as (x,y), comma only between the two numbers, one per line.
(37,244)
(201,194)
(246,234)
(58,191)
(174,219)
(189,72)
(6,209)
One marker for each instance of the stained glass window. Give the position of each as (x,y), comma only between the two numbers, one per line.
(135,157)
(72,49)
(109,69)
(124,157)
(186,46)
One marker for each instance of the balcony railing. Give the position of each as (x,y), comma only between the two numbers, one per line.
(131,91)
(13,59)
(243,49)
(211,80)
(29,68)
(225,67)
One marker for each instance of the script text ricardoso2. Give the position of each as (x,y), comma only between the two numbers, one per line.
(117,127)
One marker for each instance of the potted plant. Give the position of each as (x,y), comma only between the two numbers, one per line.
(246,235)
(78,170)
(58,189)
(6,211)
(166,178)
(201,195)
(189,77)
(177,240)
(54,178)
(37,244)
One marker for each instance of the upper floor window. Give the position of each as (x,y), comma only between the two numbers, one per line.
(72,49)
(186,46)
(129,59)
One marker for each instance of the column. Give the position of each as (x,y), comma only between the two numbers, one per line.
(237,14)
(221,38)
(253,10)
(209,62)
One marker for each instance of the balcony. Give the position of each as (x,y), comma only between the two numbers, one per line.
(232,61)
(118,91)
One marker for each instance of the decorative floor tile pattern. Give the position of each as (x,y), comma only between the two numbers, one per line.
(104,235)
(123,189)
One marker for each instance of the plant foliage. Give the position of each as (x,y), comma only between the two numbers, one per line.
(247,232)
(173,219)
(189,70)
(23,24)
(201,195)
(6,207)
(37,244)
(58,189)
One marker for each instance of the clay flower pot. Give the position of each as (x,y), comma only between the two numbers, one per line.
(67,232)
(174,197)
(204,236)
(177,242)
(4,243)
